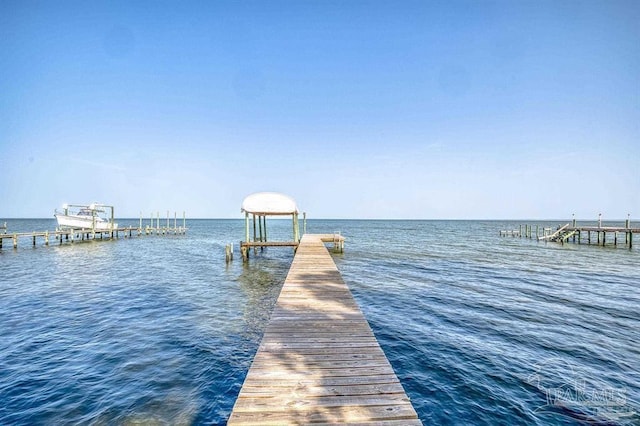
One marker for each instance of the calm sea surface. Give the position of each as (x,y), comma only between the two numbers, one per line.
(480,329)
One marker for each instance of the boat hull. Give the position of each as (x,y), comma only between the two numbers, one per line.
(78,222)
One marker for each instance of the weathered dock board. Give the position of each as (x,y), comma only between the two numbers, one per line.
(319,361)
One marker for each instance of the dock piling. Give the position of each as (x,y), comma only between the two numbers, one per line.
(228,251)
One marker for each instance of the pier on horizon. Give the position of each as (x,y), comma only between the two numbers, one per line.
(574,232)
(72,235)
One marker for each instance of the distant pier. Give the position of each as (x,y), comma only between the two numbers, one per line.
(319,361)
(72,235)
(581,234)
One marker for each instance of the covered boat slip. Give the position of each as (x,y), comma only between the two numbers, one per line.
(259,206)
(319,361)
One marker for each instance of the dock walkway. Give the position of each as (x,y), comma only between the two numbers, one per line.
(319,361)
(72,235)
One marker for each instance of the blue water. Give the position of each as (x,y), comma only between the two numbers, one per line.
(481,329)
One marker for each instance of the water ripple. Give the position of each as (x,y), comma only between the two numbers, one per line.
(480,329)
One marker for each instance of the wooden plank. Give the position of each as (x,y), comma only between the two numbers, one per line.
(281,401)
(318,350)
(269,244)
(297,333)
(321,381)
(312,359)
(322,391)
(345,414)
(319,361)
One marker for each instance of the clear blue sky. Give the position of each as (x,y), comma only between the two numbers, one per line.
(357,109)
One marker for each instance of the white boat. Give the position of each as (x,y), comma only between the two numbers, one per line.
(90,217)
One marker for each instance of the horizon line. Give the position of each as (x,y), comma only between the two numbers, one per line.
(354,219)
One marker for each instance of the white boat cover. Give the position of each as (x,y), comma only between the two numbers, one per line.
(269,203)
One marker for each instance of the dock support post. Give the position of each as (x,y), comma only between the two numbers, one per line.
(255,248)
(615,238)
(304,223)
(293,223)
(34,239)
(264,219)
(254,226)
(338,242)
(246,227)
(15,241)
(296,229)
(630,239)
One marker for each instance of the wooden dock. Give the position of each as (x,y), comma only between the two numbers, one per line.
(319,361)
(590,234)
(599,237)
(245,246)
(74,235)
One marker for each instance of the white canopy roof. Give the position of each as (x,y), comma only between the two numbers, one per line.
(269,203)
